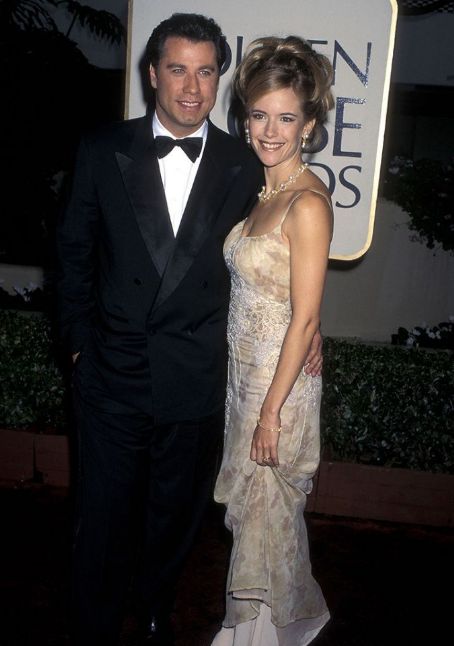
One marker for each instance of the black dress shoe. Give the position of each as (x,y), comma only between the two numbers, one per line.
(157,631)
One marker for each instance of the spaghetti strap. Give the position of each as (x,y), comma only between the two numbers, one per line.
(312,190)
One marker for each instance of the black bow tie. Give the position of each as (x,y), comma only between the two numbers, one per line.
(192,146)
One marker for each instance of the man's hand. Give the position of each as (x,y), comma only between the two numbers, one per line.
(74,357)
(314,360)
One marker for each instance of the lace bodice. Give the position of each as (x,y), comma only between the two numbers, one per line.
(260,309)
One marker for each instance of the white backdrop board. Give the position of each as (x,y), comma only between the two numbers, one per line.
(357,36)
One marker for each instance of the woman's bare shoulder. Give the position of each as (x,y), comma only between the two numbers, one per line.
(310,201)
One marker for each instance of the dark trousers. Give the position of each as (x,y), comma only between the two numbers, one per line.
(142,492)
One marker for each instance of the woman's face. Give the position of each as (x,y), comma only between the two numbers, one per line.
(276,126)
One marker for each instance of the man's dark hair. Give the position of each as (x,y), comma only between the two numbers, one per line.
(191,26)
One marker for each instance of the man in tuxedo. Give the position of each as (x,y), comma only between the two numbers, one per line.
(143,299)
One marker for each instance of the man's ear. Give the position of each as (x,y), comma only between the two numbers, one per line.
(153,77)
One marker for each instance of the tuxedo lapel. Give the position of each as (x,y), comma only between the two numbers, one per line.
(209,191)
(142,180)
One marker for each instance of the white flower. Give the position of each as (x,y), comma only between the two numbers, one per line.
(394,170)
(23,292)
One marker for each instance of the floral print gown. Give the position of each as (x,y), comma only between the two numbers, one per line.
(272,597)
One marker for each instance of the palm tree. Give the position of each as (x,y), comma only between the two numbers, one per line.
(51,94)
(27,15)
(102,23)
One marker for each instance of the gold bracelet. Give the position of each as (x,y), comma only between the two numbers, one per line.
(273,430)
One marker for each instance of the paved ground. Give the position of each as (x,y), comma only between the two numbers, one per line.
(383,582)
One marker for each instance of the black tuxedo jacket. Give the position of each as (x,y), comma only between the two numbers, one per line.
(146,310)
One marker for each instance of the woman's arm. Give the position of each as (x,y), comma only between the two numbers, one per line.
(308,230)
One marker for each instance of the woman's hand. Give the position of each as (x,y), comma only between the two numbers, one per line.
(264,445)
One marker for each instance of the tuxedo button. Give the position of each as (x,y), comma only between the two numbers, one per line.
(151,331)
(204,284)
(137,281)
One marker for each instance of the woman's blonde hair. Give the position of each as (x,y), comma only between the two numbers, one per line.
(275,63)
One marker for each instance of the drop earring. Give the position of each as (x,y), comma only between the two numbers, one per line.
(304,141)
(247,135)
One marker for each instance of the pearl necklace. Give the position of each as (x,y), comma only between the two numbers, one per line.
(265,197)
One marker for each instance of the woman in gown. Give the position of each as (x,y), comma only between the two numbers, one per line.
(277,258)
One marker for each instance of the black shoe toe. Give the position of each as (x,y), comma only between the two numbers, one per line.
(157,631)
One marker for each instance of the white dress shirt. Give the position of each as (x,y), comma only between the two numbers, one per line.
(178,172)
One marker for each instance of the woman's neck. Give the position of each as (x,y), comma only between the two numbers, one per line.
(277,175)
(266,195)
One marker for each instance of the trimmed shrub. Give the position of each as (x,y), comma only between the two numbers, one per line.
(32,389)
(389,405)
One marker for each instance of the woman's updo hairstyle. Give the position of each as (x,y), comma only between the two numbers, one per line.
(275,63)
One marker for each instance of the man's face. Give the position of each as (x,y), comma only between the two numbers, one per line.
(186,83)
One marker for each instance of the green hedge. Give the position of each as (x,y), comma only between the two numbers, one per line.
(388,405)
(383,405)
(32,389)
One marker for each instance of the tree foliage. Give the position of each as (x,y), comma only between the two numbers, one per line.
(425,190)
(27,15)
(53,94)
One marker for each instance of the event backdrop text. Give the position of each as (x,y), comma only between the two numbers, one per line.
(357,36)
